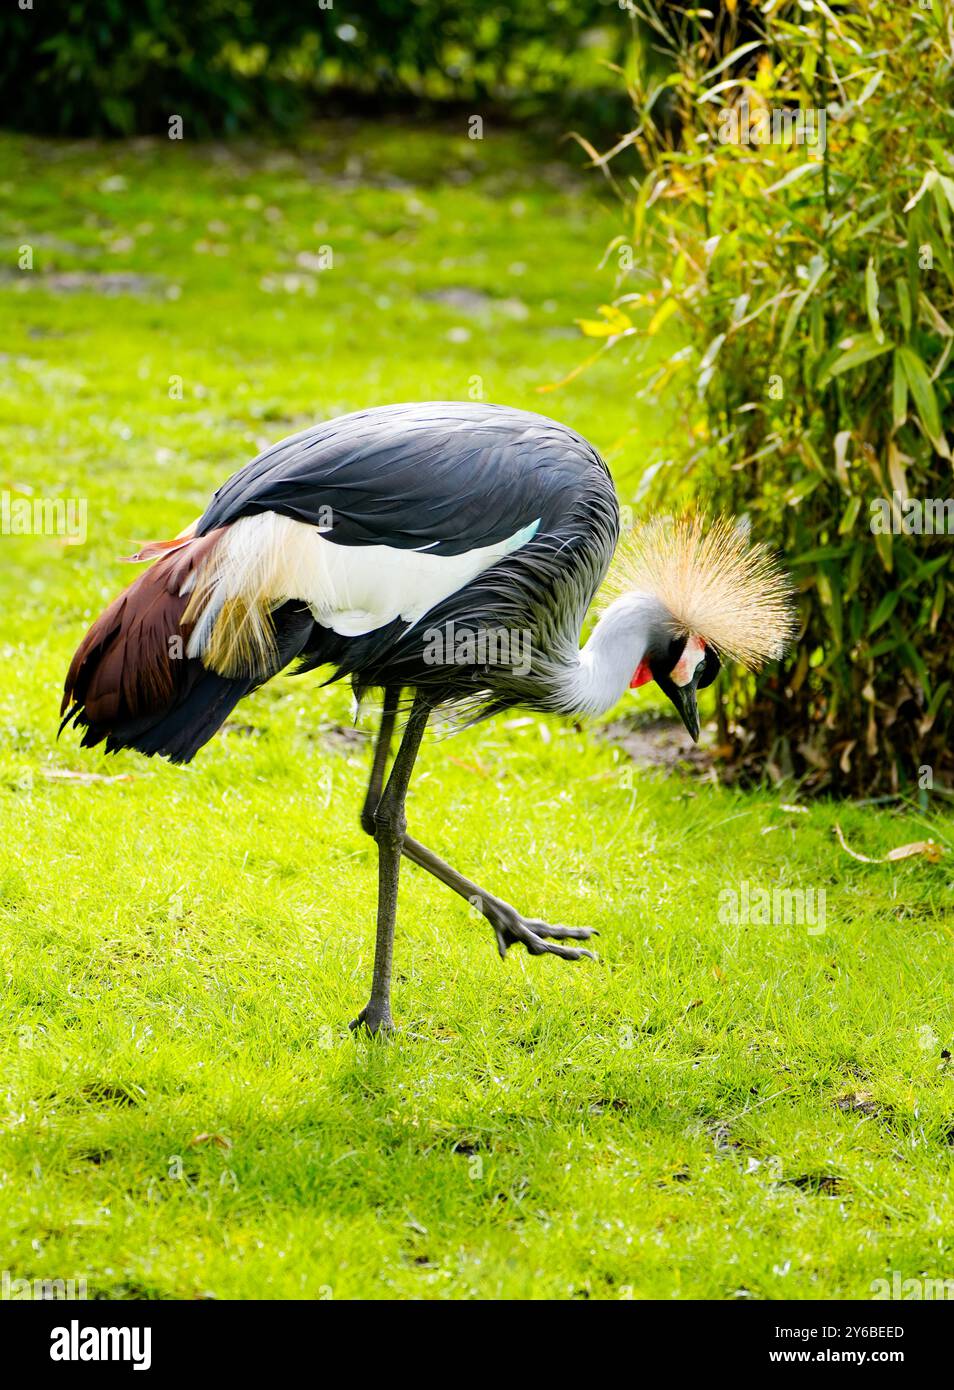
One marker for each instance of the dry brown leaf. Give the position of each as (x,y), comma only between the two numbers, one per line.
(219,1140)
(924,849)
(479,768)
(844,762)
(862,1101)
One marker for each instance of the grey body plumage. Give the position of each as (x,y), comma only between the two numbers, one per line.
(450,477)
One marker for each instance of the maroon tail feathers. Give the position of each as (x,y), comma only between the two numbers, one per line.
(131,684)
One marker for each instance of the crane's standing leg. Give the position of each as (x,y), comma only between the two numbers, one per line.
(382,748)
(389,827)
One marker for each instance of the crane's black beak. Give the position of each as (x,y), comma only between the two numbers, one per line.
(683,698)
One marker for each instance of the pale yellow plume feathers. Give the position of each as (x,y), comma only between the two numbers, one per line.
(714,583)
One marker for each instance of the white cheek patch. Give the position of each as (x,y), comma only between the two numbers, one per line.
(693,655)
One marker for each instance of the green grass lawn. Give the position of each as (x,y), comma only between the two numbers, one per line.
(711,1110)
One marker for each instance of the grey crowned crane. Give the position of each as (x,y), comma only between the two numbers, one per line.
(450,551)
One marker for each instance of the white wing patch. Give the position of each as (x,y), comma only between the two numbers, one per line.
(265,560)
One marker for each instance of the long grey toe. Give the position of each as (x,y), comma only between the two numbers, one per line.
(533,936)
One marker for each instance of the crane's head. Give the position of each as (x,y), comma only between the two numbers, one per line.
(680,664)
(700,592)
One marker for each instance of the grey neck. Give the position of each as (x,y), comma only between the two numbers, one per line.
(608,661)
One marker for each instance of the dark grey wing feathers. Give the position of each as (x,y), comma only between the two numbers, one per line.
(451,477)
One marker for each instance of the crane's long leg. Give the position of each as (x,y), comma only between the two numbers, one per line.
(510,927)
(382,748)
(389,828)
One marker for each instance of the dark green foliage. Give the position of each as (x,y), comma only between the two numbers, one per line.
(811,294)
(121,68)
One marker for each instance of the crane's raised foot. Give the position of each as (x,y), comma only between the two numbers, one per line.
(374,1020)
(539,938)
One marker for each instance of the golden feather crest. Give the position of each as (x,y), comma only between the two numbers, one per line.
(713,582)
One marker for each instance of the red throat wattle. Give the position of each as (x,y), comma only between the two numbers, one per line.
(641,675)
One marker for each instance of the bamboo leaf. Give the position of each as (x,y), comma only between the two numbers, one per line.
(937,700)
(802,488)
(927,183)
(825,552)
(842,440)
(884,545)
(613,321)
(665,311)
(904,305)
(871,86)
(850,516)
(864,348)
(899,393)
(884,610)
(800,171)
(736,53)
(816,269)
(925,400)
(871,299)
